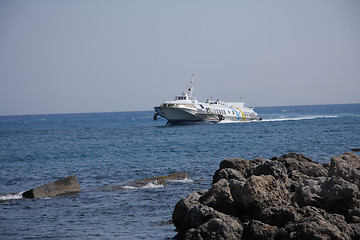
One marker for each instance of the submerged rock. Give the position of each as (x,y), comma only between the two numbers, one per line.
(164,179)
(59,187)
(287,197)
(154,182)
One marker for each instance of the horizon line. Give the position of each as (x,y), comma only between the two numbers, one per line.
(66,113)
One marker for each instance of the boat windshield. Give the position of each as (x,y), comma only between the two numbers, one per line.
(181,98)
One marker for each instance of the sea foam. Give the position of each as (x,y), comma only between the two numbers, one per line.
(11,196)
(297,118)
(185,180)
(145,186)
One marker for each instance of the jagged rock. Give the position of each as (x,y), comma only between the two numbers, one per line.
(333,194)
(317,224)
(263,191)
(353,216)
(237,164)
(59,187)
(346,166)
(227,173)
(257,230)
(278,216)
(356,228)
(339,195)
(287,197)
(308,192)
(195,217)
(339,221)
(219,197)
(326,166)
(225,228)
(236,188)
(241,165)
(296,176)
(273,168)
(296,161)
(183,207)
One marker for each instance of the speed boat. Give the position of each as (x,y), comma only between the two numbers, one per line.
(186,108)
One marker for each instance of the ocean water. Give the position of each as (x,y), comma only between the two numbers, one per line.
(112,149)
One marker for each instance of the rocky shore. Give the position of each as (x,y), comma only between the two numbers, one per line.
(287,197)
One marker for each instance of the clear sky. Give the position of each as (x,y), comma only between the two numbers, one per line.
(127,55)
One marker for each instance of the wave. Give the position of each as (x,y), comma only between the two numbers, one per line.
(146,186)
(11,196)
(185,180)
(226,121)
(155,184)
(280,119)
(298,118)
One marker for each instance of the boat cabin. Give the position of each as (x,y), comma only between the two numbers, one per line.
(184,96)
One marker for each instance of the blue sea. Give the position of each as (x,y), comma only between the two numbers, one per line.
(111,149)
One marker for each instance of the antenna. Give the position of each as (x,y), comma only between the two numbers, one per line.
(192,82)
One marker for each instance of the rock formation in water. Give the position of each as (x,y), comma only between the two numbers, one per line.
(287,197)
(59,187)
(159,181)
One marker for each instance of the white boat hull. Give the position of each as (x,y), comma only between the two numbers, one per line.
(177,114)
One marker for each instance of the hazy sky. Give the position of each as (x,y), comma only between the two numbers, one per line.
(100,56)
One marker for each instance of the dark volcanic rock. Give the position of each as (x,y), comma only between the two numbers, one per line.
(287,197)
(224,228)
(273,168)
(317,224)
(262,192)
(303,164)
(182,209)
(219,197)
(257,230)
(333,194)
(227,173)
(346,166)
